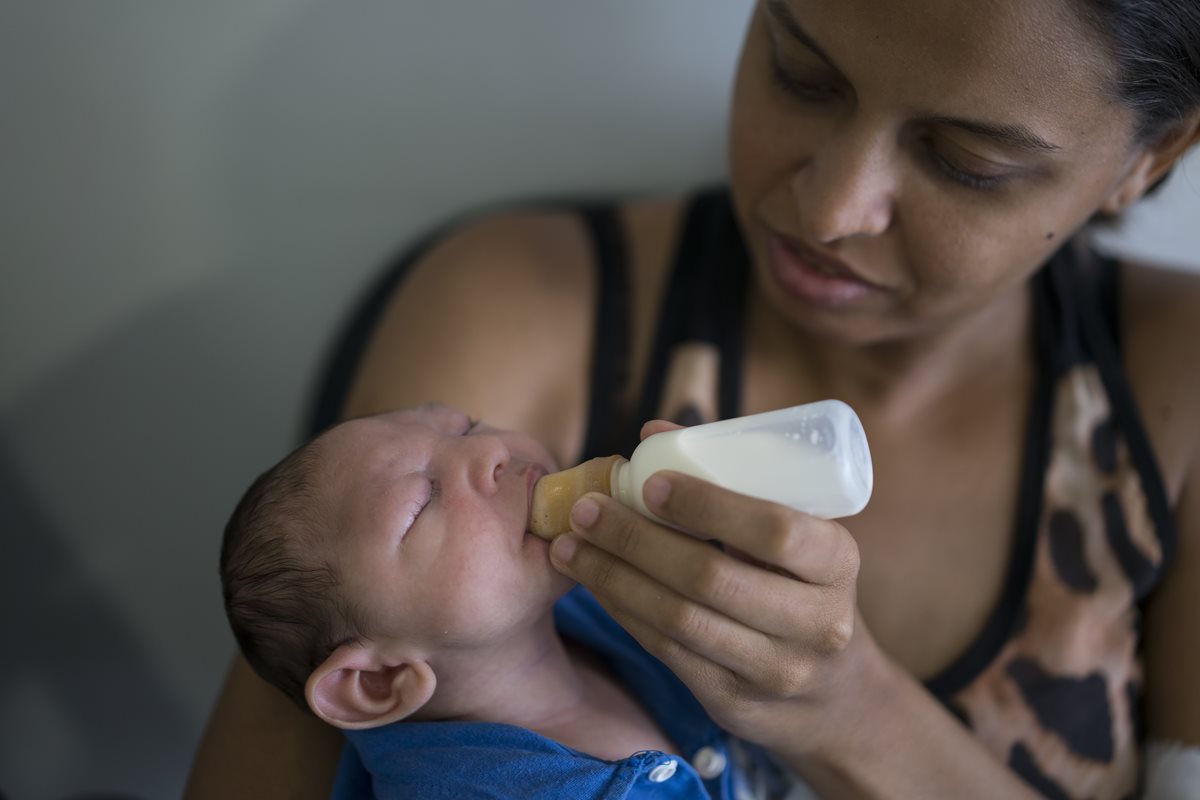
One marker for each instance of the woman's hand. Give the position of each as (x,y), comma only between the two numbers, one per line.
(765,632)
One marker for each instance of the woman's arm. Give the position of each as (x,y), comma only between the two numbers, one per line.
(1162,330)
(258,744)
(496,320)
(1173,651)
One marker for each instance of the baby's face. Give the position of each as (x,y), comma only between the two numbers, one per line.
(429,515)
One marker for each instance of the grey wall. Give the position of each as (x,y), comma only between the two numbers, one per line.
(191,194)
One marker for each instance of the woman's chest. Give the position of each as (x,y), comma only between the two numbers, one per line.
(937,538)
(937,549)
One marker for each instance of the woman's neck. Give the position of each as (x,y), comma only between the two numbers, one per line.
(897,380)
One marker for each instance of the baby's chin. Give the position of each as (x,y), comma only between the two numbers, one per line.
(563,584)
(538,550)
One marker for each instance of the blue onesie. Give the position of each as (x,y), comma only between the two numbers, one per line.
(455,760)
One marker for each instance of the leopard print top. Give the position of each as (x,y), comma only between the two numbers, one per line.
(1052,684)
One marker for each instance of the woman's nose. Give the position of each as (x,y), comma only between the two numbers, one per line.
(848,188)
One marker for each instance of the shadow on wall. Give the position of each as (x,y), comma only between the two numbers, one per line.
(80,693)
(116,476)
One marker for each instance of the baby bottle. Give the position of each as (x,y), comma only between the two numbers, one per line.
(812,457)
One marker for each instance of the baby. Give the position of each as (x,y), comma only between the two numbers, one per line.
(384,572)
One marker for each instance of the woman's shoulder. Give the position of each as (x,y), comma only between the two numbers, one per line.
(546,260)
(497,317)
(545,249)
(1160,332)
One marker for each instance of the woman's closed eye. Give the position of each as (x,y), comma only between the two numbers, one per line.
(818,91)
(982,178)
(964,177)
(808,89)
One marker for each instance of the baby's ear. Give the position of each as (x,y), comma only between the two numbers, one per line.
(356,688)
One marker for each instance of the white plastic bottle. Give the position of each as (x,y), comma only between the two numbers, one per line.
(812,457)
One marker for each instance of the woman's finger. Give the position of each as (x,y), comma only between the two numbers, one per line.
(707,650)
(663,559)
(814,550)
(658,426)
(705,677)
(631,595)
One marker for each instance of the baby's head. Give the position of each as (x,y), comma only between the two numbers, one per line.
(389,549)
(283,596)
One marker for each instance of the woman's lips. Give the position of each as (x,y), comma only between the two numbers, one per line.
(814,278)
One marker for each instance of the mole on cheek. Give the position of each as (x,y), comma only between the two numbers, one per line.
(1049,236)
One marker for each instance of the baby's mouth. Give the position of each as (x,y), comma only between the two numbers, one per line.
(533,474)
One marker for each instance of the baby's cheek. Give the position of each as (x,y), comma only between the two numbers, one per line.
(473,610)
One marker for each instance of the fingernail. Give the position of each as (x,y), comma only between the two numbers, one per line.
(563,548)
(585,512)
(656,490)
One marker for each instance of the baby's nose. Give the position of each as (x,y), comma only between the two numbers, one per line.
(488,459)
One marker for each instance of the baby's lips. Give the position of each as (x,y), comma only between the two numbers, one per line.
(554,494)
(533,477)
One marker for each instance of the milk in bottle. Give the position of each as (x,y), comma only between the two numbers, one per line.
(811,457)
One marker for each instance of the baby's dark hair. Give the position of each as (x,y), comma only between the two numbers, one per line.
(282,594)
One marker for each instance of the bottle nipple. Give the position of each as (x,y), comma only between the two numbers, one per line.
(554,494)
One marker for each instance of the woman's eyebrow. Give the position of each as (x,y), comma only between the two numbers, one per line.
(1017,136)
(779,10)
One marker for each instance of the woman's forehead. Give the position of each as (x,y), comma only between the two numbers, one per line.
(983,58)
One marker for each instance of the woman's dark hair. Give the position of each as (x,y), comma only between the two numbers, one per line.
(1156,48)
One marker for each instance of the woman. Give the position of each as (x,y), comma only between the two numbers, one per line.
(905,184)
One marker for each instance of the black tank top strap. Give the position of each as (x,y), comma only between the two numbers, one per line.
(1094,280)
(704,302)
(1074,317)
(1055,353)
(727,306)
(611,340)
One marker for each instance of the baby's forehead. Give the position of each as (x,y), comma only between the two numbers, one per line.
(380,448)
(363,431)
(431,416)
(368,447)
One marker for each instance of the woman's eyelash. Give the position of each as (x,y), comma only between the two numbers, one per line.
(822,92)
(970,180)
(801,90)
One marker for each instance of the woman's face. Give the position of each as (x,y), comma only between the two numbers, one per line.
(898,166)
